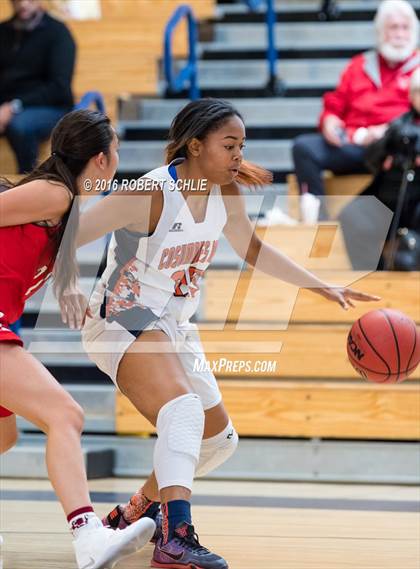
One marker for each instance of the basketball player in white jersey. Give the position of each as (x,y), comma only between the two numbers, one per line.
(163,240)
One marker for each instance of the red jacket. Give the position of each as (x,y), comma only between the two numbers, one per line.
(370,92)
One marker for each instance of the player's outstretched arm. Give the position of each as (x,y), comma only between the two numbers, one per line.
(117,210)
(241,235)
(39,200)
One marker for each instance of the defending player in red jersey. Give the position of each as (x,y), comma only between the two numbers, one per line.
(33,217)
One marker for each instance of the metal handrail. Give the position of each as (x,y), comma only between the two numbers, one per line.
(89,98)
(175,83)
(275,86)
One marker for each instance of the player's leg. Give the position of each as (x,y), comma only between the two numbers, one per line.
(219,443)
(8,430)
(28,389)
(154,384)
(8,438)
(220,439)
(217,429)
(158,388)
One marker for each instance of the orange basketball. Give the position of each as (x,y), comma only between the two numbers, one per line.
(384,346)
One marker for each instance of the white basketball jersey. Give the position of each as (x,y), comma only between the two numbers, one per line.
(162,270)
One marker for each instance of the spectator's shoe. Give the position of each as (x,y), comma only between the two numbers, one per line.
(276,216)
(184,551)
(103,548)
(115,519)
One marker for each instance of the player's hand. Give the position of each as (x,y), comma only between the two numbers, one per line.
(74,308)
(345,296)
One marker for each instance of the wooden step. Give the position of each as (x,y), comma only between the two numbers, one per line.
(316,247)
(301,351)
(251,296)
(292,409)
(8,164)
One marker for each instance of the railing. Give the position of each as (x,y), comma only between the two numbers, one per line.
(275,85)
(89,98)
(175,83)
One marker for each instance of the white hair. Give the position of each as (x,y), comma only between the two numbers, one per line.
(415,81)
(389,8)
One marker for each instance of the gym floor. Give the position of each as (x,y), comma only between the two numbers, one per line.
(253,525)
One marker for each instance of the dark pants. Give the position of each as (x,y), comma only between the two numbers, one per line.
(366,221)
(27,129)
(312,155)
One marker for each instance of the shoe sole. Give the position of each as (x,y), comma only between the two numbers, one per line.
(146,528)
(174,565)
(154,540)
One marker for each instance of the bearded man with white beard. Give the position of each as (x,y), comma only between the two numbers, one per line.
(372,91)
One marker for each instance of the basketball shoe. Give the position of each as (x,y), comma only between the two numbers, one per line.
(184,551)
(102,547)
(115,519)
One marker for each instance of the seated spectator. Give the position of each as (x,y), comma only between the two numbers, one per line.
(373,90)
(37,55)
(389,158)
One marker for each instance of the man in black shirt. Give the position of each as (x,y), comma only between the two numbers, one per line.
(37,55)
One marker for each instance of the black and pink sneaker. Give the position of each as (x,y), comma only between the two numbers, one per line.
(184,551)
(115,519)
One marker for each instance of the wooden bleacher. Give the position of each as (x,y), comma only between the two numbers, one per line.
(300,409)
(313,391)
(8,165)
(268,300)
(317,246)
(118,54)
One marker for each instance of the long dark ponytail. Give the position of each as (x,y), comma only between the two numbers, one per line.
(198,119)
(76,138)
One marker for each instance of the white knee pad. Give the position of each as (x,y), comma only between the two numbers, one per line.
(180,426)
(216,450)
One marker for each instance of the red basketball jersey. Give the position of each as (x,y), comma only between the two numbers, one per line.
(27,255)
